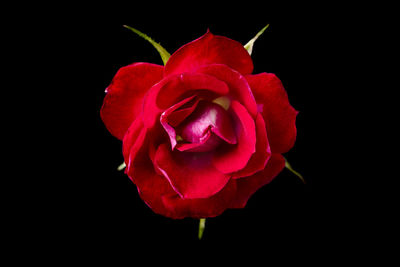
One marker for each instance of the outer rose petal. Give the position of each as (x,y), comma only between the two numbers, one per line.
(232,158)
(123,101)
(210,49)
(279,115)
(200,207)
(151,186)
(131,137)
(191,175)
(247,186)
(158,194)
(260,158)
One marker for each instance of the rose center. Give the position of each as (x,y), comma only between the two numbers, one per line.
(201,126)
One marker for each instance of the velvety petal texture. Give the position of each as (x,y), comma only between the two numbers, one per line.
(175,88)
(239,89)
(229,158)
(192,175)
(123,101)
(202,134)
(210,49)
(246,187)
(279,115)
(262,154)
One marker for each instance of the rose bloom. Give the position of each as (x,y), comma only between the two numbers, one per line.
(200,134)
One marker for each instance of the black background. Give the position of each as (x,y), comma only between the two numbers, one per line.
(84,199)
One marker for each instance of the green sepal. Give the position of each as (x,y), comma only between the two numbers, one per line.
(249,45)
(202,225)
(161,50)
(289,167)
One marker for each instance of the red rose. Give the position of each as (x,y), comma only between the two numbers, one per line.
(200,134)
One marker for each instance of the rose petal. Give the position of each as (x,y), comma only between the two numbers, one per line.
(131,137)
(208,116)
(164,119)
(239,89)
(202,207)
(208,143)
(151,185)
(232,158)
(260,158)
(279,115)
(185,82)
(158,194)
(210,49)
(123,101)
(192,175)
(180,114)
(174,88)
(247,186)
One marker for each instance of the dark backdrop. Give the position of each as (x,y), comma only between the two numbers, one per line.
(94,205)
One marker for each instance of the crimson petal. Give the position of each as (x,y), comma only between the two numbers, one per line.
(207,143)
(232,158)
(201,207)
(279,115)
(164,118)
(123,101)
(210,49)
(174,88)
(191,175)
(208,116)
(247,186)
(131,137)
(238,86)
(260,158)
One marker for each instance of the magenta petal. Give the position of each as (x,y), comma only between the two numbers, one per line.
(191,175)
(208,143)
(260,158)
(208,116)
(247,186)
(233,158)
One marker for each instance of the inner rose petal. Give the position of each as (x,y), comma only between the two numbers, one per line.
(209,124)
(176,114)
(195,125)
(208,143)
